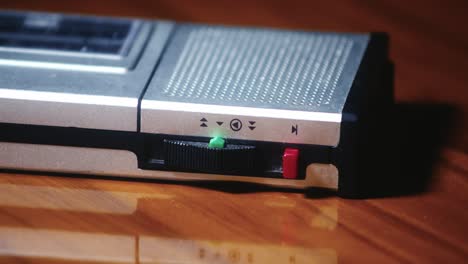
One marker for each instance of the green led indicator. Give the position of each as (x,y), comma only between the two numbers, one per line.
(217,142)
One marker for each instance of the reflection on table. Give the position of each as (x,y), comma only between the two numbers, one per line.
(69,226)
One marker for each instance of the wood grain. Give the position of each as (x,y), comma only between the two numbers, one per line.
(47,219)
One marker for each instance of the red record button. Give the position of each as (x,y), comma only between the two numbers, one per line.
(290,161)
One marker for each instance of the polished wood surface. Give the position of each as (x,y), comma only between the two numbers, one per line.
(50,219)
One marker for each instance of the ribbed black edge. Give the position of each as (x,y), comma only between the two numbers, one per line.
(198,156)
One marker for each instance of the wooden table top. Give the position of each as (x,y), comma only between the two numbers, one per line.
(50,219)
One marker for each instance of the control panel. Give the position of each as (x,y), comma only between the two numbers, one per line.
(273,125)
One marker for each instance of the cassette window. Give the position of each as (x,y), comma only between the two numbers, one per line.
(67,33)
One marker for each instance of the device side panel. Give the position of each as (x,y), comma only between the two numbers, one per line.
(366,112)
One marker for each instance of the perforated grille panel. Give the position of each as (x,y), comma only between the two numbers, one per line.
(259,68)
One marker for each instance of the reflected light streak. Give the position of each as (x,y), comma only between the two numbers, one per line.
(106,248)
(72,199)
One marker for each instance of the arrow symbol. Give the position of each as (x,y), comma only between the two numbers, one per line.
(236,124)
(294,129)
(219,123)
(251,127)
(204,125)
(252,122)
(203,120)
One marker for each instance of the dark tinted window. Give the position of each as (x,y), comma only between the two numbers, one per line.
(64,33)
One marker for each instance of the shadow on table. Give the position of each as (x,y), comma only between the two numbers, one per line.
(408,149)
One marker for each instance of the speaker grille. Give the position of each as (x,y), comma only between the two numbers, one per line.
(254,67)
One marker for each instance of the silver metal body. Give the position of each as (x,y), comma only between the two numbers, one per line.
(192,80)
(69,89)
(279,86)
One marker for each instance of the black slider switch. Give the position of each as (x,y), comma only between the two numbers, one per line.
(200,157)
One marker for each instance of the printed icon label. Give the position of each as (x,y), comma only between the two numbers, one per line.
(294,129)
(203,122)
(252,125)
(236,124)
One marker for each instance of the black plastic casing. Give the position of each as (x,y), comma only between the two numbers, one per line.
(365,114)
